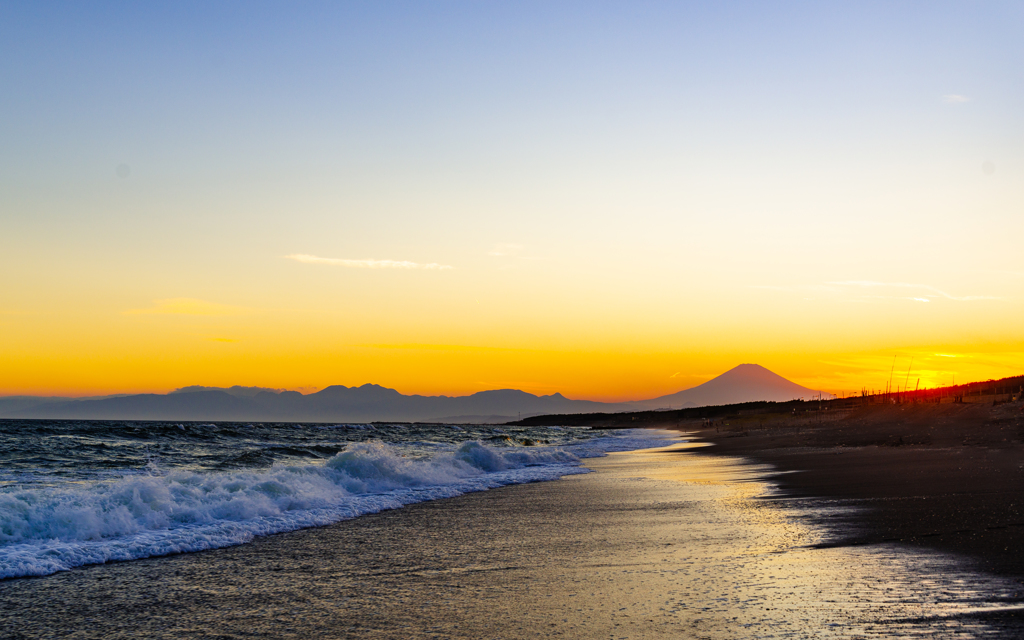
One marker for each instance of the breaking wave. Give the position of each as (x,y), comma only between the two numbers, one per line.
(48,529)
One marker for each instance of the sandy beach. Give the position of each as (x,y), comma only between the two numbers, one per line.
(652,544)
(948,477)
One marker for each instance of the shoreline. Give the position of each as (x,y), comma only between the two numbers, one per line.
(652,544)
(947,477)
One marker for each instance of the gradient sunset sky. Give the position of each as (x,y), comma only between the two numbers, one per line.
(610,200)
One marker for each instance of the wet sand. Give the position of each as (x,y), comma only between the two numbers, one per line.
(947,477)
(653,544)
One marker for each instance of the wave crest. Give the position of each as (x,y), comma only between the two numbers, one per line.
(44,530)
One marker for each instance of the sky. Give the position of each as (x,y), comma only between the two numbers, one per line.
(613,201)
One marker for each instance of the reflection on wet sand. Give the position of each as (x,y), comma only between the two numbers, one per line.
(659,543)
(746,566)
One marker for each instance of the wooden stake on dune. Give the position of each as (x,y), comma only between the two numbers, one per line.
(888,387)
(907,381)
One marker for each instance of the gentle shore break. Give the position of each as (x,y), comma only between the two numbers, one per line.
(654,544)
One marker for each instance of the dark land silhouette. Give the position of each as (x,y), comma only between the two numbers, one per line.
(370,403)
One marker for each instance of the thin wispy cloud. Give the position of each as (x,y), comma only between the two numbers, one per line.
(907,285)
(186,307)
(953,98)
(810,288)
(366,264)
(513,255)
(924,292)
(506,249)
(443,347)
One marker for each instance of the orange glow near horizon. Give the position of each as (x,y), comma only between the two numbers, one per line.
(459,331)
(216,350)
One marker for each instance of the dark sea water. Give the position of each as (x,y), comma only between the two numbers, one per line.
(82,492)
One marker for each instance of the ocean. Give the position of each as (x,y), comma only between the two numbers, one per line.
(661,543)
(75,493)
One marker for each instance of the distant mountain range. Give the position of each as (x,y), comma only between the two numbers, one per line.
(370,402)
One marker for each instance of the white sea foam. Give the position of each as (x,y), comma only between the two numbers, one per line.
(49,529)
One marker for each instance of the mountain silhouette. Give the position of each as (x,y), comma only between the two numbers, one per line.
(367,403)
(745,383)
(372,402)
